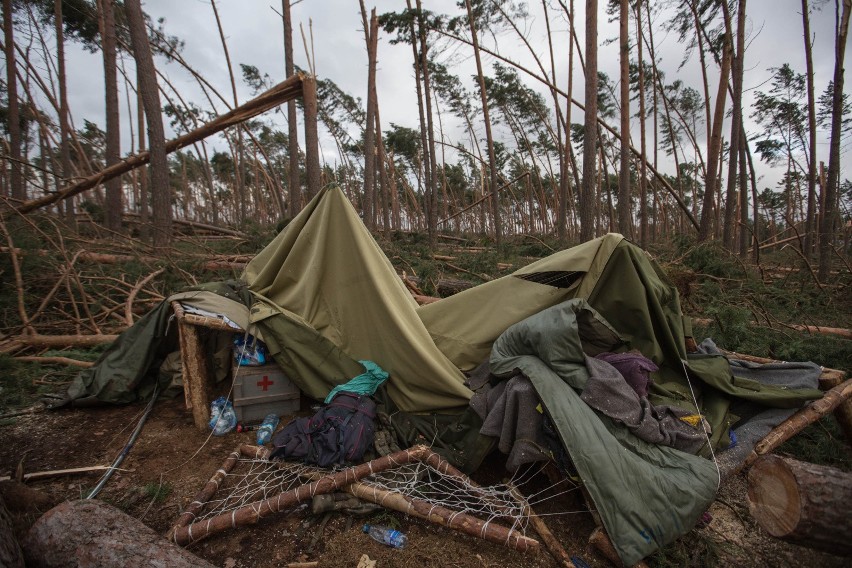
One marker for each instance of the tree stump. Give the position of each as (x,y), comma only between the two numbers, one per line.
(803,503)
(91,533)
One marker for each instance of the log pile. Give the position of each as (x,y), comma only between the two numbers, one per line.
(802,503)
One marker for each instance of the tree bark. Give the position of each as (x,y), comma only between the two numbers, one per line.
(17,189)
(590,138)
(492,159)
(804,503)
(829,212)
(147,77)
(312,163)
(643,173)
(714,153)
(64,148)
(812,133)
(294,185)
(729,227)
(625,224)
(89,532)
(369,203)
(112,150)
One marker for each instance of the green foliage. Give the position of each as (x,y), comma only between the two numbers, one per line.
(822,443)
(24,383)
(157,492)
(695,549)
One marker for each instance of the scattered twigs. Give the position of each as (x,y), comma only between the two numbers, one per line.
(460,269)
(807,264)
(31,410)
(128,309)
(55,361)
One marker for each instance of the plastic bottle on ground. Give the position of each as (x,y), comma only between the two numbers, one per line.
(386,535)
(264,433)
(223,419)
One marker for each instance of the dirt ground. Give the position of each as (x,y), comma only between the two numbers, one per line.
(173,455)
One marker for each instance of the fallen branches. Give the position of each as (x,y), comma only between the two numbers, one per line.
(839,331)
(128,310)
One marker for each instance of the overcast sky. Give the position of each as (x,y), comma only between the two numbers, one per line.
(253,32)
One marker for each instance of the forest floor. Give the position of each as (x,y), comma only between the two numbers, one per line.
(172,460)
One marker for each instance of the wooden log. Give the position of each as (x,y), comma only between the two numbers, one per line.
(91,533)
(800,420)
(445,286)
(820,329)
(206,493)
(550,541)
(195,373)
(58,341)
(600,540)
(11,555)
(253,512)
(803,503)
(289,89)
(442,516)
(55,361)
(37,475)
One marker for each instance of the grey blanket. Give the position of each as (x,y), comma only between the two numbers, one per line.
(609,392)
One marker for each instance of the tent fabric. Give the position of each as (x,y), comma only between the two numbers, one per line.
(647,495)
(126,371)
(326,279)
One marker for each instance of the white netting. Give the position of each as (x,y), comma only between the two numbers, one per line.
(253,480)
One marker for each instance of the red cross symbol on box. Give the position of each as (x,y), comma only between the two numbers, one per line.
(265,383)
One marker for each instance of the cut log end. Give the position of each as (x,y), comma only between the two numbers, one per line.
(802,503)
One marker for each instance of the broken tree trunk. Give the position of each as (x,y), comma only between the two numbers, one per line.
(89,533)
(803,503)
(289,89)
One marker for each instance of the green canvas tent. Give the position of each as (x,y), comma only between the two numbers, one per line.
(323,296)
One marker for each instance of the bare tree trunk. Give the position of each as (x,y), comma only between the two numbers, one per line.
(368,206)
(812,133)
(492,159)
(590,139)
(294,185)
(432,204)
(830,212)
(625,212)
(744,233)
(144,217)
(242,194)
(17,189)
(643,173)
(147,84)
(112,152)
(737,65)
(312,163)
(714,153)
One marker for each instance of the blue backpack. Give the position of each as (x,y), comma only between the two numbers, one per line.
(340,431)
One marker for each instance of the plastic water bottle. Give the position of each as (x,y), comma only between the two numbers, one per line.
(264,433)
(386,535)
(223,419)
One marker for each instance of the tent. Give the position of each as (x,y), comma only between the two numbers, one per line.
(323,296)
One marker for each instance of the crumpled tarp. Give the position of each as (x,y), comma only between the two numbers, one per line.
(647,495)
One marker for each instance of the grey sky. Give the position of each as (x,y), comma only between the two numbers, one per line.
(254,34)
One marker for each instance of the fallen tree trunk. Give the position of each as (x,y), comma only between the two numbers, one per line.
(65,340)
(91,533)
(803,503)
(839,331)
(55,361)
(288,90)
(444,286)
(103,258)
